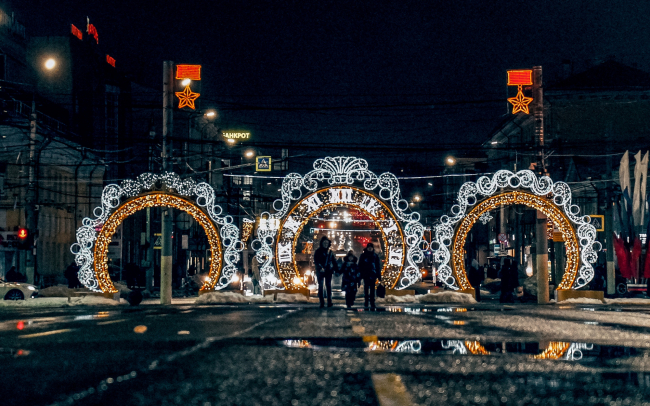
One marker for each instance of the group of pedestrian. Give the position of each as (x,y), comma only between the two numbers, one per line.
(367,270)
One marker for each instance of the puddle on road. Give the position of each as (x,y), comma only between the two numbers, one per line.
(549,350)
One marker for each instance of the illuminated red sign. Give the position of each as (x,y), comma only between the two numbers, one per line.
(22,233)
(110,60)
(520,77)
(192,72)
(92,31)
(186,98)
(76,32)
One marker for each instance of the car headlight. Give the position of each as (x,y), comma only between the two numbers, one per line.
(31,288)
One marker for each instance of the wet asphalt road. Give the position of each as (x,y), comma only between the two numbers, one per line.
(301,355)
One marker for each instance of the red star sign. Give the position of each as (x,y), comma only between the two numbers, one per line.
(186,98)
(520,102)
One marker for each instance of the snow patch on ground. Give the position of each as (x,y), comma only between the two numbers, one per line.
(231,297)
(582,300)
(56,291)
(446,297)
(89,300)
(390,299)
(631,300)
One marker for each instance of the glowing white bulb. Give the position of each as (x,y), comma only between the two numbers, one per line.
(235,278)
(296,281)
(50,64)
(186,82)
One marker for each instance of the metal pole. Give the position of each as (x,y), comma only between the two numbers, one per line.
(30,199)
(541,243)
(166,231)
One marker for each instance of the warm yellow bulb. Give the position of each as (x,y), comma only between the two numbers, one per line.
(50,64)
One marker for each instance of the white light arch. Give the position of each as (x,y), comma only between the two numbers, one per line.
(331,172)
(559,193)
(203,195)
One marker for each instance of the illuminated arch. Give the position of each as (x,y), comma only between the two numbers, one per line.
(371,206)
(155,199)
(553,195)
(155,190)
(328,173)
(527,199)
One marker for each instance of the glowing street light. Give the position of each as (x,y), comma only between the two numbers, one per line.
(417,198)
(450,160)
(186,82)
(210,114)
(249,154)
(50,64)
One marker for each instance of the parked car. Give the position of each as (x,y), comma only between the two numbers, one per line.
(17,290)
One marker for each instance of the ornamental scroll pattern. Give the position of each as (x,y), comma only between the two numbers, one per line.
(112,197)
(560,194)
(336,171)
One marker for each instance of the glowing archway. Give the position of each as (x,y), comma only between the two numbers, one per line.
(155,199)
(527,199)
(554,199)
(313,204)
(155,190)
(351,183)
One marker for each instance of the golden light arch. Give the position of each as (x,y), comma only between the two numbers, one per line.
(391,232)
(165,189)
(155,199)
(509,198)
(506,187)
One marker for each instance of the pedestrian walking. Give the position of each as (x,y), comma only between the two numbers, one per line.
(475,276)
(370,268)
(325,266)
(351,279)
(71,275)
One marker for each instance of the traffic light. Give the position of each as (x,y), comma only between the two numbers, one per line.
(23,238)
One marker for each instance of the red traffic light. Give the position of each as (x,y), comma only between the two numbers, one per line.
(22,233)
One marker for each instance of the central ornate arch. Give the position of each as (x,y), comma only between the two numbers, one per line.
(552,197)
(313,204)
(334,173)
(94,235)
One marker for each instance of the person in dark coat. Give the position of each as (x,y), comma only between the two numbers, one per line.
(325,263)
(475,276)
(509,281)
(493,272)
(12,275)
(370,269)
(351,278)
(71,275)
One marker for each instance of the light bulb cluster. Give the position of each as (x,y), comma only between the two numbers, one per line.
(556,194)
(527,199)
(154,200)
(332,172)
(327,199)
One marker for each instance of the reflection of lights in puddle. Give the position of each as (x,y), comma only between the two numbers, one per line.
(407,346)
(183,333)
(297,343)
(459,323)
(593,323)
(140,329)
(588,309)
(20,325)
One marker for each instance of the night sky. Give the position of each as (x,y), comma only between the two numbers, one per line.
(394,76)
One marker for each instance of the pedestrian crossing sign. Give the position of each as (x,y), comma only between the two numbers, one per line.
(263,164)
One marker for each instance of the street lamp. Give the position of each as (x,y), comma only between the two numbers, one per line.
(186,82)
(50,64)
(249,154)
(211,114)
(450,160)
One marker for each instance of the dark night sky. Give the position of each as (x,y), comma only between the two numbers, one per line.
(388,73)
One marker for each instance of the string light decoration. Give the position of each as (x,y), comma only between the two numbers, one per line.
(246,230)
(327,199)
(192,72)
(476,348)
(407,346)
(520,78)
(530,200)
(485,218)
(557,193)
(187,97)
(555,350)
(338,171)
(155,199)
(204,197)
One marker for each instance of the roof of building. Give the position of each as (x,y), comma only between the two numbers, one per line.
(607,75)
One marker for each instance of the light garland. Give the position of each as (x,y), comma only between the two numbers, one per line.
(246,231)
(555,350)
(558,192)
(172,184)
(155,199)
(336,171)
(299,216)
(510,198)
